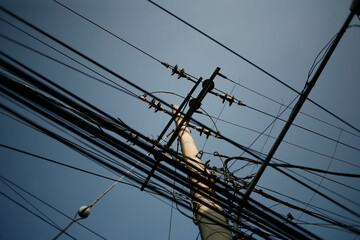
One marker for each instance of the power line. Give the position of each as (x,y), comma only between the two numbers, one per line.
(37,209)
(293,144)
(33,213)
(99,26)
(255,155)
(179,166)
(66,65)
(109,32)
(67,56)
(50,206)
(324,175)
(251,63)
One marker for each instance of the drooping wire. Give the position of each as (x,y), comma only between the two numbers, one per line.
(293,144)
(67,65)
(253,209)
(33,213)
(279,170)
(266,128)
(109,32)
(37,209)
(92,22)
(67,56)
(312,197)
(251,63)
(218,117)
(267,137)
(52,207)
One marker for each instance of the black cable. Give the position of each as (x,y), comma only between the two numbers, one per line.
(293,144)
(36,208)
(67,56)
(316,208)
(92,22)
(281,104)
(322,177)
(122,78)
(150,148)
(251,63)
(33,213)
(50,206)
(58,163)
(109,32)
(67,65)
(266,128)
(304,128)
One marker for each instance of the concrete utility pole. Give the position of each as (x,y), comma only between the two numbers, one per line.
(211,223)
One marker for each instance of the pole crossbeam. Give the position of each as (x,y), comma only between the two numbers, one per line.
(208,85)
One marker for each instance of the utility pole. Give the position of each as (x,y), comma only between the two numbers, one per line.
(211,223)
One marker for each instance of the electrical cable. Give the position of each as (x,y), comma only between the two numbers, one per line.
(293,144)
(50,206)
(67,65)
(251,63)
(316,208)
(33,213)
(304,128)
(37,209)
(67,56)
(217,118)
(266,128)
(92,22)
(312,197)
(109,32)
(232,142)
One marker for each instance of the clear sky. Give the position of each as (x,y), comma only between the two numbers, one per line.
(282,37)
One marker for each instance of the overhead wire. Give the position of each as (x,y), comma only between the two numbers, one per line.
(251,63)
(312,197)
(60,122)
(67,56)
(50,206)
(315,208)
(134,95)
(66,65)
(218,118)
(269,125)
(146,53)
(27,201)
(33,213)
(285,141)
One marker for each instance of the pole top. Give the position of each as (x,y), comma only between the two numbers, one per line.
(355,7)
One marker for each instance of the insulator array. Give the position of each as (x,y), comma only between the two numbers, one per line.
(206,132)
(230,99)
(152,103)
(175,70)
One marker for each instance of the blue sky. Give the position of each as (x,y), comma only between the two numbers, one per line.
(282,37)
